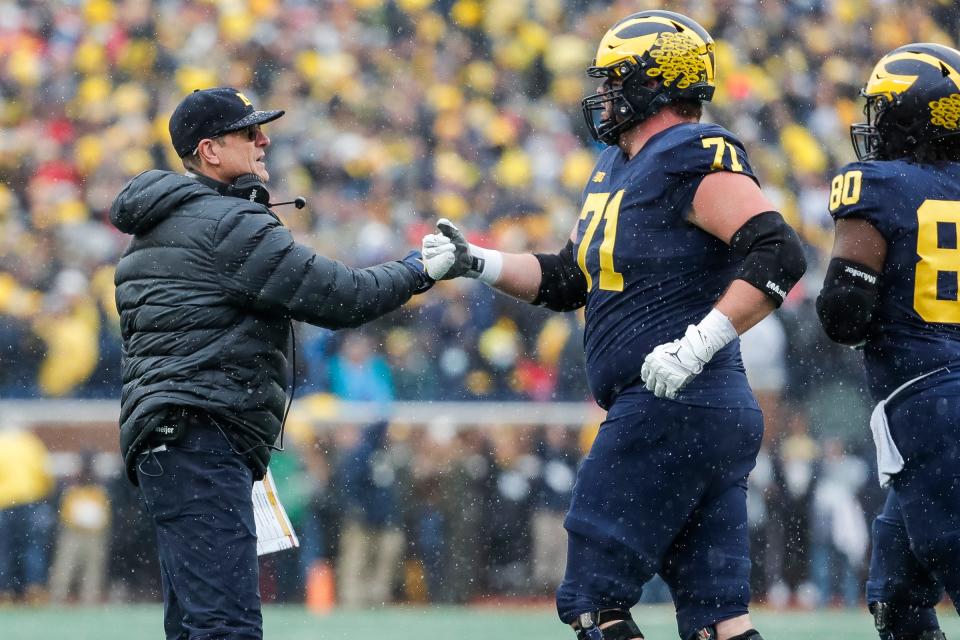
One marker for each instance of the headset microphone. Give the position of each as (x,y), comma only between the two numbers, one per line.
(299,202)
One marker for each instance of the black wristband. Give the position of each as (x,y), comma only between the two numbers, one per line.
(563,287)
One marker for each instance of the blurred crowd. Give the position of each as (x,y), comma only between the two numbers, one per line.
(391,513)
(399,112)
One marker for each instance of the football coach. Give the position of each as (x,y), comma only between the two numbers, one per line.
(207,292)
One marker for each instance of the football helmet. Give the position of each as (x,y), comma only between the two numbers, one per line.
(648,59)
(913,102)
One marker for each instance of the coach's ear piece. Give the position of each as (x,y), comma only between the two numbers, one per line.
(250,187)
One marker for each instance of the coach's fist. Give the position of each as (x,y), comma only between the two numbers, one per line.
(438,255)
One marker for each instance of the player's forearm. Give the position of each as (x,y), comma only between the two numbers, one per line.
(524,276)
(744,305)
(551,280)
(520,276)
(670,366)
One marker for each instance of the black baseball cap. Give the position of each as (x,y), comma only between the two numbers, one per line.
(208,113)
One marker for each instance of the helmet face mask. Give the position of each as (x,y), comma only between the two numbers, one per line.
(865,136)
(648,59)
(614,109)
(912,105)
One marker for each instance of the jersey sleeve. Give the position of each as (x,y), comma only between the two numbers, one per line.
(709,149)
(861,191)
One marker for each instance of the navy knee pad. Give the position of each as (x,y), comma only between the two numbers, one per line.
(587,625)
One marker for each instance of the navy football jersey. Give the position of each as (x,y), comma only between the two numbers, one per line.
(649,271)
(916,207)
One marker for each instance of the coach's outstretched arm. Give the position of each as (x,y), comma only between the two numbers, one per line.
(264,269)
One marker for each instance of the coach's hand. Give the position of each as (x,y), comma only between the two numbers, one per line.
(669,367)
(438,255)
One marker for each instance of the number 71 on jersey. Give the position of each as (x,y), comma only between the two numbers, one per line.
(597,207)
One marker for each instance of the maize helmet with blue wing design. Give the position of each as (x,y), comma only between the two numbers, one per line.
(913,103)
(648,59)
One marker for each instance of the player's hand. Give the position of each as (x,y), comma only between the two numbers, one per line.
(464,261)
(439,254)
(669,367)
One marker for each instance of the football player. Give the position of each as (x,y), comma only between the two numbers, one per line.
(891,286)
(675,253)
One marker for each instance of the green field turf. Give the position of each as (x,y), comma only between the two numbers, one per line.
(483,623)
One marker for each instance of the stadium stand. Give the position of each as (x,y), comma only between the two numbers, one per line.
(399,112)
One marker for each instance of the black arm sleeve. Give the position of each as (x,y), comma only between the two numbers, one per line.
(772,253)
(848,300)
(263,268)
(563,286)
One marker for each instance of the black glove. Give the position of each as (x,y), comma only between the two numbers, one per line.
(465,263)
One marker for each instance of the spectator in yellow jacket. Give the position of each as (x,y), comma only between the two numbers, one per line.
(25,514)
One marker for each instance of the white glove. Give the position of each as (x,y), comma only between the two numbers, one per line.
(669,367)
(438,255)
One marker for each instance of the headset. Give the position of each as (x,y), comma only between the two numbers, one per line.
(247,186)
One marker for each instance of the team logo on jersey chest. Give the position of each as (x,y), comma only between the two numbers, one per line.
(599,176)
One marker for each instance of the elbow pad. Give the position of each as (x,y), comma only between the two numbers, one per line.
(772,254)
(563,286)
(848,300)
